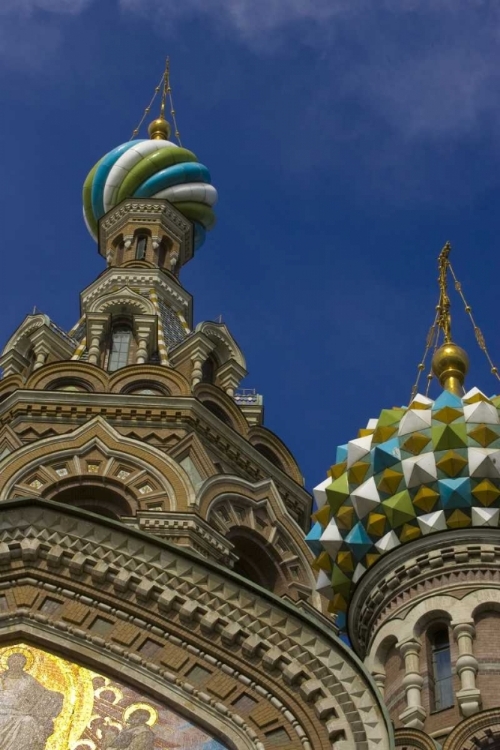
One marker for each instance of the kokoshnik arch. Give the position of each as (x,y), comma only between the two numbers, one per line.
(156,590)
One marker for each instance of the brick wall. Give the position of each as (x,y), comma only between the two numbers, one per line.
(487,652)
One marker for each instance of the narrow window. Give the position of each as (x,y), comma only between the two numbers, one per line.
(120,346)
(208,370)
(140,248)
(441,669)
(162,255)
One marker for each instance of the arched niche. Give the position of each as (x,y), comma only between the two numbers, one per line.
(103,500)
(255,562)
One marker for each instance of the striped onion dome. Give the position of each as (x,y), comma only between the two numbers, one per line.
(151,169)
(433,466)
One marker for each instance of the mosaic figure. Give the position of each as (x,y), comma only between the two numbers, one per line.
(136,734)
(27,709)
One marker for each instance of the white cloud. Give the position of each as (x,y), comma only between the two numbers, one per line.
(28,7)
(427,68)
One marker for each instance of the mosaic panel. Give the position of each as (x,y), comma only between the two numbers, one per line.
(48,703)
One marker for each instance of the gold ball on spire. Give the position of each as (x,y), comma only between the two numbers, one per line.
(159,129)
(450,365)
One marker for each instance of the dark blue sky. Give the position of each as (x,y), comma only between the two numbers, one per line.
(348,141)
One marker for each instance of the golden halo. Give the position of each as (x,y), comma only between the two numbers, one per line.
(153,713)
(6,653)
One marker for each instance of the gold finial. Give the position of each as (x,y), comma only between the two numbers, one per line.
(159,129)
(450,362)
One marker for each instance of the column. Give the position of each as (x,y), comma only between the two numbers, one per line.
(414,715)
(197,372)
(96,325)
(142,345)
(469,696)
(41,355)
(379,679)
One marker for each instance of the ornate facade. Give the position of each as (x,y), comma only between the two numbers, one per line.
(156,590)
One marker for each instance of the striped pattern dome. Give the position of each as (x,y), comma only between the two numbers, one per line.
(151,169)
(431,467)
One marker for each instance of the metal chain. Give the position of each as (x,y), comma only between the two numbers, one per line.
(421,366)
(477,331)
(172,109)
(437,334)
(135,132)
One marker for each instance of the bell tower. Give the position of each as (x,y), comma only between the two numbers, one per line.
(156,429)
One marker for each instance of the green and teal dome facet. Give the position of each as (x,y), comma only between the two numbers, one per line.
(156,169)
(430,467)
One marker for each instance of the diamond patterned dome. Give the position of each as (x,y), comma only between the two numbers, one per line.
(432,466)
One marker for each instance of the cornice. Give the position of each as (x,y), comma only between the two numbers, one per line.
(131,410)
(409,566)
(253,625)
(148,279)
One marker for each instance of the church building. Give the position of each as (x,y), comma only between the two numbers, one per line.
(166,580)
(156,588)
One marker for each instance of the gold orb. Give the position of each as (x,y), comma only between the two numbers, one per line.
(450,364)
(159,129)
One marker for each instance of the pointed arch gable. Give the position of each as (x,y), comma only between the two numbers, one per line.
(20,338)
(169,475)
(67,571)
(225,345)
(127,298)
(265,525)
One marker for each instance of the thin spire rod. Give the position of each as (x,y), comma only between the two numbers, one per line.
(444,305)
(166,87)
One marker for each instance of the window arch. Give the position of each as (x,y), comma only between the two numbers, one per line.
(440,672)
(269,454)
(69,384)
(95,499)
(147,388)
(218,411)
(254,562)
(119,350)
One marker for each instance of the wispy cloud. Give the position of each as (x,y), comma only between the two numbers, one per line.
(425,67)
(28,7)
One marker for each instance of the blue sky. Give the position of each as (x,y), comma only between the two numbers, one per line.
(348,141)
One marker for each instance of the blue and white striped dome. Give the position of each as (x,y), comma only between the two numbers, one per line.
(151,169)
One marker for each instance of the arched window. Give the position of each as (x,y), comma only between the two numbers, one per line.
(146,388)
(101,500)
(140,248)
(208,369)
(270,455)
(121,338)
(441,682)
(68,384)
(162,255)
(218,412)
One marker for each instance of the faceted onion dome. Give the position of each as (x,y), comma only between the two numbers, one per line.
(154,168)
(417,470)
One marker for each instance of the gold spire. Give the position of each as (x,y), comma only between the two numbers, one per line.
(159,129)
(450,362)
